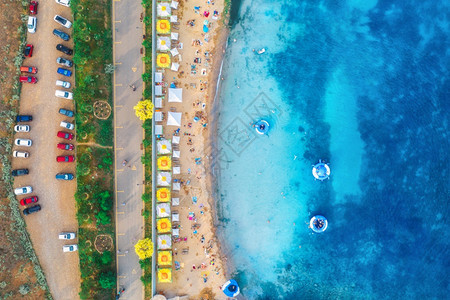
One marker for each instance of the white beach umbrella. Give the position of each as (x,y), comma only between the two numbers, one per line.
(164,241)
(158,77)
(174,36)
(164,178)
(175,67)
(158,90)
(173,19)
(174,119)
(163,44)
(176,186)
(175,140)
(158,116)
(176,170)
(158,102)
(175,95)
(176,154)
(163,210)
(174,5)
(163,10)
(174,52)
(164,147)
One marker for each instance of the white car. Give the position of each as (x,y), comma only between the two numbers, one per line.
(63,94)
(22,154)
(70,248)
(63,2)
(66,235)
(62,21)
(67,125)
(22,128)
(62,83)
(23,190)
(23,142)
(31,24)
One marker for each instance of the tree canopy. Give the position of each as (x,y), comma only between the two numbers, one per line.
(144,110)
(144,248)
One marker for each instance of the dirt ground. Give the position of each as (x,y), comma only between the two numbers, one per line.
(55,197)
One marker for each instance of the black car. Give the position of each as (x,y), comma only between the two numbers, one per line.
(24,118)
(31,209)
(64,49)
(61,34)
(66,112)
(19,172)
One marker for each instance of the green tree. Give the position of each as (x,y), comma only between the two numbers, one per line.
(147,77)
(106,258)
(103,218)
(107,280)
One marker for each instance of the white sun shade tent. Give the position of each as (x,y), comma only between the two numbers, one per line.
(175,140)
(158,90)
(174,52)
(158,102)
(173,19)
(174,119)
(176,186)
(158,129)
(175,67)
(175,201)
(176,95)
(163,43)
(176,170)
(164,178)
(163,10)
(176,154)
(158,116)
(158,77)
(174,4)
(174,36)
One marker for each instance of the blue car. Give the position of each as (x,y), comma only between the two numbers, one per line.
(64,176)
(24,118)
(66,112)
(64,72)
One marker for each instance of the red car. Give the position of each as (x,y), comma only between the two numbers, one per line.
(31,70)
(28,79)
(28,51)
(65,158)
(65,135)
(26,201)
(64,146)
(33,7)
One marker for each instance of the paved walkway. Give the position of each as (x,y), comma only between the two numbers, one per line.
(128,132)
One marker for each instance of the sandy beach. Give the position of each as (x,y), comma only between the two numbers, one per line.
(197,254)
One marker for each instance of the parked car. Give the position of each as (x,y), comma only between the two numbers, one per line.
(31,24)
(65,135)
(64,146)
(23,142)
(62,21)
(28,79)
(63,94)
(63,2)
(64,62)
(22,128)
(64,72)
(66,235)
(23,190)
(24,118)
(65,158)
(61,34)
(29,200)
(70,248)
(31,210)
(28,51)
(64,49)
(67,125)
(64,176)
(33,7)
(63,83)
(66,112)
(31,70)
(19,172)
(22,154)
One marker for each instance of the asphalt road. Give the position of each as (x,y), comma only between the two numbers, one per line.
(128,31)
(55,197)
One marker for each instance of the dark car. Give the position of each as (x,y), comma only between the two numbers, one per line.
(24,118)
(28,51)
(64,49)
(33,7)
(28,79)
(64,146)
(19,172)
(61,34)
(29,200)
(64,62)
(65,158)
(31,210)
(64,72)
(66,112)
(64,176)
(65,135)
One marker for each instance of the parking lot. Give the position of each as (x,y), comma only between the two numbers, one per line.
(56,197)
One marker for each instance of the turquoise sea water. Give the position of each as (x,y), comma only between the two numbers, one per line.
(364,85)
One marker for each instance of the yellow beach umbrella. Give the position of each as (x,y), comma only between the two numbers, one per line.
(163,195)
(163,60)
(163,225)
(165,258)
(164,163)
(163,26)
(165,275)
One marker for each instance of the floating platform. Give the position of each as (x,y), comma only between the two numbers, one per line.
(321,170)
(262,127)
(318,224)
